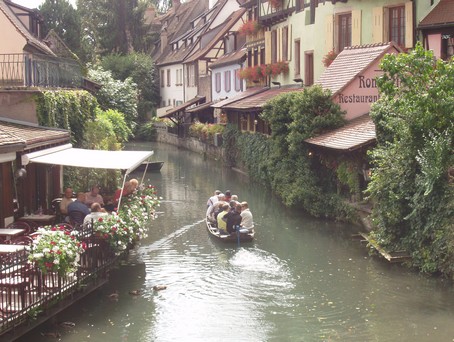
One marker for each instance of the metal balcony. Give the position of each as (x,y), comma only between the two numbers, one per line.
(25,70)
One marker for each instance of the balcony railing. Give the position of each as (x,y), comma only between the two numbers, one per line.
(34,70)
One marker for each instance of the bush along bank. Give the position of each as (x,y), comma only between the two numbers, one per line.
(283,162)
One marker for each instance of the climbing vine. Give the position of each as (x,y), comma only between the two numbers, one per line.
(67,109)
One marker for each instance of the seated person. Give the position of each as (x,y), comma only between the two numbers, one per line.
(66,200)
(213,199)
(222,225)
(214,209)
(246,216)
(228,196)
(233,218)
(129,188)
(93,196)
(79,205)
(96,213)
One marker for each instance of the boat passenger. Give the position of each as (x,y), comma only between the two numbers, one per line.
(213,199)
(213,210)
(233,218)
(222,224)
(228,196)
(96,213)
(246,216)
(234,198)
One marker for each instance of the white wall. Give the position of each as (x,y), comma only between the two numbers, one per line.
(174,92)
(223,93)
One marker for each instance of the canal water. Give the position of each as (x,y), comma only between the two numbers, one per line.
(303,279)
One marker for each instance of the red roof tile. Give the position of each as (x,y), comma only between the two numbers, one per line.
(257,101)
(33,135)
(351,62)
(248,92)
(356,133)
(235,57)
(441,15)
(195,100)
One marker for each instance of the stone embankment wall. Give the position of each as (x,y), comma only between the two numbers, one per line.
(189,143)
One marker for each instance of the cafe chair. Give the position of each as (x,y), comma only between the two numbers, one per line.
(21,225)
(16,279)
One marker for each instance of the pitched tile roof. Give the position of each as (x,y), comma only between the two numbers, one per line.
(355,134)
(195,100)
(33,135)
(258,100)
(441,15)
(200,107)
(219,32)
(248,92)
(8,140)
(351,62)
(178,23)
(236,57)
(31,39)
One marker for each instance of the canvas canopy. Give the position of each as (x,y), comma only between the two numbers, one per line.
(66,155)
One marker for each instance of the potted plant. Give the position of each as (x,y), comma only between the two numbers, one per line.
(275,3)
(56,250)
(250,27)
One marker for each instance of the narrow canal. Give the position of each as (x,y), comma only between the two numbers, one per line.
(303,279)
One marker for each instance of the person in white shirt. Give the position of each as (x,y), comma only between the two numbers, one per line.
(213,199)
(246,216)
(96,213)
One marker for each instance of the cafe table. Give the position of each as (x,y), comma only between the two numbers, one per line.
(5,249)
(40,220)
(9,233)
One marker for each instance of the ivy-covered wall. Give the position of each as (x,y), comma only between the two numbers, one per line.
(67,109)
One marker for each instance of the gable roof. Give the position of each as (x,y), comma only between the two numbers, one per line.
(441,15)
(29,37)
(33,135)
(355,134)
(236,57)
(248,92)
(350,62)
(177,23)
(219,31)
(258,100)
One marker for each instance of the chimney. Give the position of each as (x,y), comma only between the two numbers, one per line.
(164,39)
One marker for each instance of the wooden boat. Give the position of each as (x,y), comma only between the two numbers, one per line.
(245,235)
(152,166)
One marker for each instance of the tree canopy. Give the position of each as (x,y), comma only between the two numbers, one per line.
(412,193)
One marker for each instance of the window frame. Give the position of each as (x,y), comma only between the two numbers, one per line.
(227,81)
(397,26)
(217,82)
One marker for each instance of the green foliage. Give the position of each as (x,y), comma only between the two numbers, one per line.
(67,109)
(347,174)
(283,162)
(146,131)
(141,69)
(115,94)
(64,19)
(113,27)
(204,131)
(413,197)
(294,174)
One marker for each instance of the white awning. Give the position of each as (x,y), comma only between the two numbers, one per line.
(68,156)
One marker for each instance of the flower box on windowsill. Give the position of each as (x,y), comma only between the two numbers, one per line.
(250,27)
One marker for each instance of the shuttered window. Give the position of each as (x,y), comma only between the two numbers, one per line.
(217,77)
(397,25)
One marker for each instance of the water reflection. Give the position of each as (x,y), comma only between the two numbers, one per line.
(303,279)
